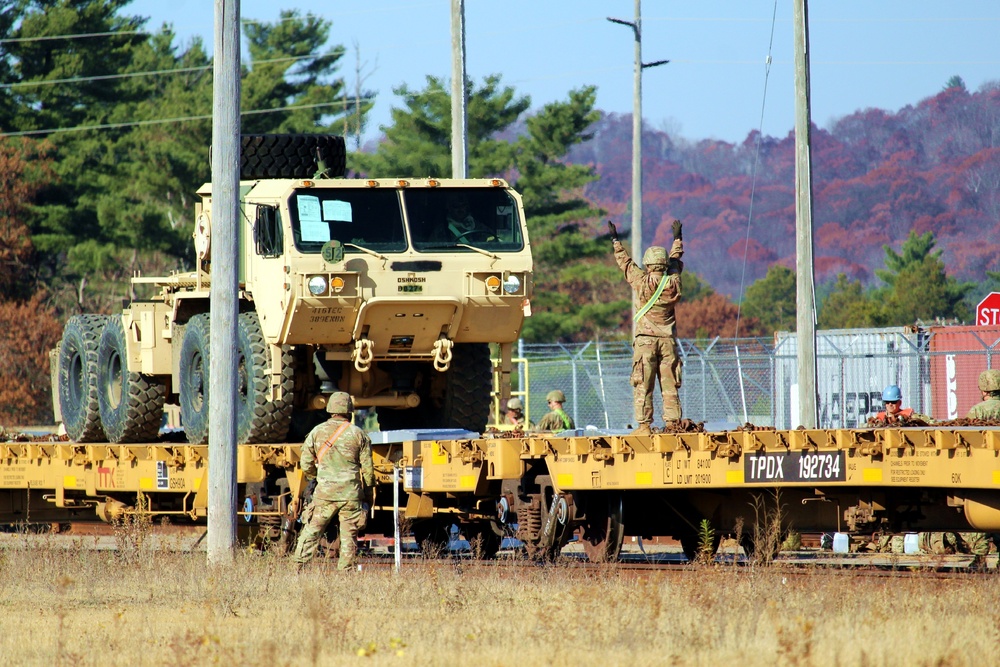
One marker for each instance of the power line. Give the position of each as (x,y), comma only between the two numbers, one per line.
(160,121)
(84,35)
(180,70)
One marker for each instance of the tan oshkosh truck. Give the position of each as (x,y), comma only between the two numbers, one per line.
(382,288)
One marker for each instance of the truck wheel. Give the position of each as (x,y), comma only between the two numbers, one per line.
(194,364)
(290,155)
(468,383)
(259,419)
(78,378)
(131,404)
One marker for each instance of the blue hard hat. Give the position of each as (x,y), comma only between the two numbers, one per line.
(892,393)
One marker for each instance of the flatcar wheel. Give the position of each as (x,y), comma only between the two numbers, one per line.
(602,531)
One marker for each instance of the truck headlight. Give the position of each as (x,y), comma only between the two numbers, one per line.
(511,285)
(317,285)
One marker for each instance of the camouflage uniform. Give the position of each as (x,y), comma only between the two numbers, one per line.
(655,353)
(518,420)
(557,420)
(515,415)
(989,409)
(336,466)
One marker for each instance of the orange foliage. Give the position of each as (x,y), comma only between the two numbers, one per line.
(24,169)
(712,316)
(28,330)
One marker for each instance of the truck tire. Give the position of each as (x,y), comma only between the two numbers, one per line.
(290,155)
(194,364)
(468,383)
(258,418)
(78,378)
(131,404)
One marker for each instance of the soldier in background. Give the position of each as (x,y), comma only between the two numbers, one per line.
(515,415)
(894,413)
(338,455)
(654,348)
(556,419)
(989,409)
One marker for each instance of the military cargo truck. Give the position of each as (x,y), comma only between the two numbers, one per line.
(383,288)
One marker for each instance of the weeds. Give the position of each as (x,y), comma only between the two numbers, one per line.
(706,543)
(132,530)
(768,529)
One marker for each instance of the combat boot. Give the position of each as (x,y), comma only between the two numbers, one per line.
(642,429)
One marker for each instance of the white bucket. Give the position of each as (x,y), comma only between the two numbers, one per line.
(841,543)
(911,544)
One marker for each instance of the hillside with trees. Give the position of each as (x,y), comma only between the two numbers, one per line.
(105,134)
(931,168)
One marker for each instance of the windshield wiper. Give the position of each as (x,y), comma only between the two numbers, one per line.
(479,250)
(370,252)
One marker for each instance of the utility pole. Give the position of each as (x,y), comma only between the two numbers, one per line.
(224,287)
(805,322)
(459,116)
(637,131)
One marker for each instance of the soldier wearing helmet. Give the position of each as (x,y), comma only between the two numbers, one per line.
(556,419)
(894,413)
(989,409)
(515,415)
(656,288)
(338,455)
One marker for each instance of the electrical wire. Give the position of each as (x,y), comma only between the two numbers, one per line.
(756,161)
(179,70)
(160,121)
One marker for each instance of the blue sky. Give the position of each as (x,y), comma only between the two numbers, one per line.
(865,53)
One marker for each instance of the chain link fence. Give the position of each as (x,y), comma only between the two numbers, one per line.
(728,382)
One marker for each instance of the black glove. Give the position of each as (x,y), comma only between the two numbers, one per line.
(677,229)
(613,231)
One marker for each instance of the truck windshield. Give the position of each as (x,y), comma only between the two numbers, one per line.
(365,217)
(448,219)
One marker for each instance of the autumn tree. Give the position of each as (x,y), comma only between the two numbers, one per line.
(714,315)
(28,330)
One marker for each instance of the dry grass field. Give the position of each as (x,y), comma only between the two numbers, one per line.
(142,606)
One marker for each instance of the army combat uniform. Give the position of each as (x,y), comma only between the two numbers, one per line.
(556,419)
(337,454)
(989,409)
(654,348)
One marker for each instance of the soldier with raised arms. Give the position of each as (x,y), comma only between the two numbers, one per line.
(657,288)
(338,455)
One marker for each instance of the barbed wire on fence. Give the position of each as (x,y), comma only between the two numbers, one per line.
(728,382)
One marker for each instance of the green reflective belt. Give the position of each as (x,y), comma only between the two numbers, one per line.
(656,295)
(564,417)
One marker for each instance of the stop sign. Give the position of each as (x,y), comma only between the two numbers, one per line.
(988,310)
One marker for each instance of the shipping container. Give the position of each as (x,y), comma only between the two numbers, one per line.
(958,354)
(853,366)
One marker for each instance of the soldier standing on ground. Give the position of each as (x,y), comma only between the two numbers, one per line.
(556,419)
(655,354)
(338,455)
(989,409)
(894,413)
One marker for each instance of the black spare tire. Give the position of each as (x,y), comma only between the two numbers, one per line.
(291,155)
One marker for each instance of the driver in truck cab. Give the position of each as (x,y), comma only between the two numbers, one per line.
(461,223)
